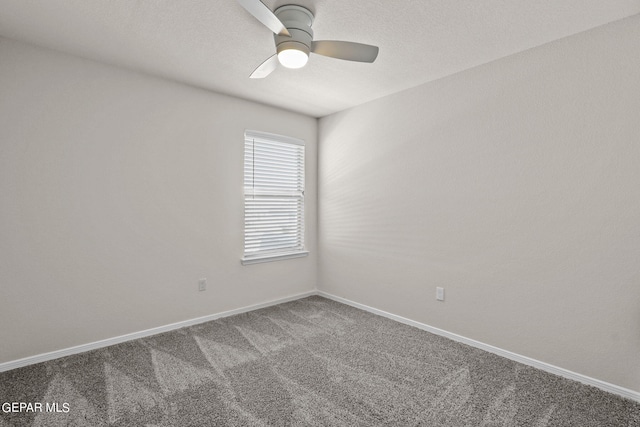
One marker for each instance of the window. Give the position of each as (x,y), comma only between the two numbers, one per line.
(273,197)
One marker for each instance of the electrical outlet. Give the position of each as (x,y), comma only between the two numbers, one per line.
(440,294)
(202,284)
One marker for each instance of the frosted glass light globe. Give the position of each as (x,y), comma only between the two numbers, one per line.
(293,58)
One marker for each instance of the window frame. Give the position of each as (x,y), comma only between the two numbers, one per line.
(291,197)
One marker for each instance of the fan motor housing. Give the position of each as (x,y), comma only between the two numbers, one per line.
(298,21)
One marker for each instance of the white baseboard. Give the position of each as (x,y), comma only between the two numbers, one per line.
(608,387)
(7,366)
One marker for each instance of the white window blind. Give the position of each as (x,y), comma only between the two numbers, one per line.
(273,197)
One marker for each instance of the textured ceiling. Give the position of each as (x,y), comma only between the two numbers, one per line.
(216,44)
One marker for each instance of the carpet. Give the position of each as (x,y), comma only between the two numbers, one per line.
(310,362)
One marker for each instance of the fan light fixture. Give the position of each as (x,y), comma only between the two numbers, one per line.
(293,58)
(293,36)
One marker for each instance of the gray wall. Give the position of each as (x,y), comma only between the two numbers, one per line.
(516,187)
(118,192)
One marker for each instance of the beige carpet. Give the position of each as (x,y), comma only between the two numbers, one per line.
(311,362)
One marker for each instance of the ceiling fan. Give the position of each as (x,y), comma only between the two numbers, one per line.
(291,25)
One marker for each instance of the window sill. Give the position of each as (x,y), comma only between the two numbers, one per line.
(274,257)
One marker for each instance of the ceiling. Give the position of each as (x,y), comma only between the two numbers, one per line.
(216,44)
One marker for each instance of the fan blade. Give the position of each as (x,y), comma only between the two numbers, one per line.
(345,50)
(264,15)
(265,68)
